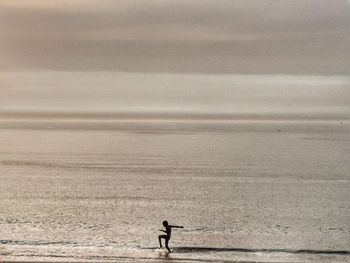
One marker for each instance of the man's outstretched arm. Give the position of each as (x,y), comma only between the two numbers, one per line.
(177,226)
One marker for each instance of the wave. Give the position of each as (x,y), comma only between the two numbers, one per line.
(200,249)
(258,250)
(35,242)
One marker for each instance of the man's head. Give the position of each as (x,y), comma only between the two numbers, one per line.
(165,223)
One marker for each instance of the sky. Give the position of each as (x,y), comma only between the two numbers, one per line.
(175,55)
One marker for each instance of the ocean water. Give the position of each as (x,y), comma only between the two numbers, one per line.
(245,191)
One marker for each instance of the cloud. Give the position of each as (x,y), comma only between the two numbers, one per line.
(250,36)
(130,92)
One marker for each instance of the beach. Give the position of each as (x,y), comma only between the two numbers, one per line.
(229,118)
(245,191)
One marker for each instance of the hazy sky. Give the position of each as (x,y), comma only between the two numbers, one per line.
(195,55)
(191,36)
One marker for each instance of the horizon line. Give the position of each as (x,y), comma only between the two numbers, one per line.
(167,115)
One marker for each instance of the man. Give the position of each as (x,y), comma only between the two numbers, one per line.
(168,234)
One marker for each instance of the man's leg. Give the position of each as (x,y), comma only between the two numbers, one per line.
(160,239)
(166,244)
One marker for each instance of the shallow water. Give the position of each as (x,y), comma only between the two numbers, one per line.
(244,191)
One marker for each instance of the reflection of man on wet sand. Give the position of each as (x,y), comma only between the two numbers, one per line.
(168,234)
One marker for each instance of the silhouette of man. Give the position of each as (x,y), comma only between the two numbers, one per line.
(168,234)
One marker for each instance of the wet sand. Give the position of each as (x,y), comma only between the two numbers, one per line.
(245,191)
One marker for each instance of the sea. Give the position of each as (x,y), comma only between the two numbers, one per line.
(244,190)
